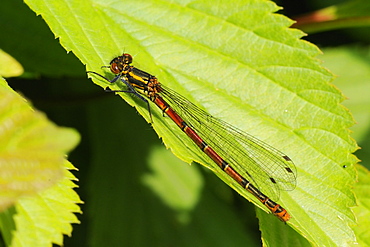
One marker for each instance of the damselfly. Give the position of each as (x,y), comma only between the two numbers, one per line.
(253,164)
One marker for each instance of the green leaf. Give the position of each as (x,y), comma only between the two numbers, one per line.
(32,157)
(274,232)
(241,63)
(43,219)
(32,151)
(363,210)
(351,65)
(9,66)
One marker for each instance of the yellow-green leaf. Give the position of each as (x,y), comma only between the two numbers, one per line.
(32,150)
(9,66)
(33,174)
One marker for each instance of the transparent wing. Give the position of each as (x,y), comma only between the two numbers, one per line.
(264,166)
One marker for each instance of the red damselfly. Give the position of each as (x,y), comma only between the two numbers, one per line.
(256,166)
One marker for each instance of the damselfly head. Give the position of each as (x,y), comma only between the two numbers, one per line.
(120,64)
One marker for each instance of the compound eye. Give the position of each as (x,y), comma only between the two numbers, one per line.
(127,58)
(115,68)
